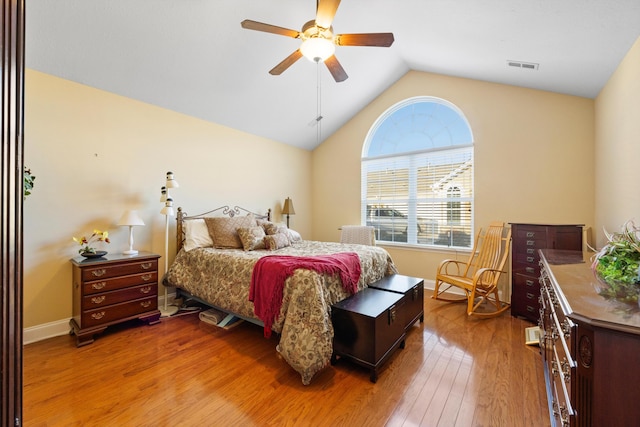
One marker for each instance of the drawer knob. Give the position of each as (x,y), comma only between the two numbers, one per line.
(530,270)
(531,242)
(146,265)
(99,272)
(530,233)
(99,285)
(145,304)
(146,277)
(97,316)
(145,290)
(530,259)
(529,282)
(98,300)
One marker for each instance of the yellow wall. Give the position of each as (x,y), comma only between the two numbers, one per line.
(617,150)
(95,154)
(534,156)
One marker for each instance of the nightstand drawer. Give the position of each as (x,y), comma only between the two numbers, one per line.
(118,312)
(100,286)
(114,270)
(115,297)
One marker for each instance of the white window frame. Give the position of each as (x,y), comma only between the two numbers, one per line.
(410,231)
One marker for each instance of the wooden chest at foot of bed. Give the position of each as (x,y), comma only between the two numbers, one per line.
(367,328)
(411,307)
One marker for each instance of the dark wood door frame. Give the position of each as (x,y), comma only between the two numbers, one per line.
(11,183)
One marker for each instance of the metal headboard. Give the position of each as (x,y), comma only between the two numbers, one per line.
(182,216)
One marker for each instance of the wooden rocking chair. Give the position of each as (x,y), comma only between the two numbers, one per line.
(478,277)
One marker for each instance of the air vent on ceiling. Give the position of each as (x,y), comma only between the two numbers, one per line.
(520,64)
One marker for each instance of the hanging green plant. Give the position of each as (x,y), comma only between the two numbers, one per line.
(617,264)
(29,178)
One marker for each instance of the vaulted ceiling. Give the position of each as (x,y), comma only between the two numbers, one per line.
(193,57)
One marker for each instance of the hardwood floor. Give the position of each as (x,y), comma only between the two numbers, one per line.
(454,371)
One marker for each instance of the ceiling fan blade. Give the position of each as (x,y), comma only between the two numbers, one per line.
(268,28)
(336,70)
(366,39)
(286,63)
(325,11)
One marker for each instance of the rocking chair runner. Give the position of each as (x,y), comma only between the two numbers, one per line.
(478,277)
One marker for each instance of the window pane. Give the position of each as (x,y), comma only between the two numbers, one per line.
(421,196)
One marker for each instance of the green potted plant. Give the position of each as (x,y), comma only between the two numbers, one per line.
(28,181)
(617,264)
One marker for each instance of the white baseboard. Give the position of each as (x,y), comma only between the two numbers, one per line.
(61,327)
(45,331)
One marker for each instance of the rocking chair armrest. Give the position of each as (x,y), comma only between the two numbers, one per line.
(443,268)
(482,271)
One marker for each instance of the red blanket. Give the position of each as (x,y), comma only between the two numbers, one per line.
(270,273)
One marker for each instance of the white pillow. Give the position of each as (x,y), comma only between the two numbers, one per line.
(294,236)
(196,234)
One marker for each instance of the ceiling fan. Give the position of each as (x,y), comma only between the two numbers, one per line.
(318,40)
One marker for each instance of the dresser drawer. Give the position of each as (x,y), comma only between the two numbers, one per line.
(118,312)
(526,268)
(114,297)
(106,271)
(527,284)
(522,306)
(530,237)
(100,286)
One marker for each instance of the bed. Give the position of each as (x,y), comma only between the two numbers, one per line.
(217,253)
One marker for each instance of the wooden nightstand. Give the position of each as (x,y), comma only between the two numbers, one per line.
(113,289)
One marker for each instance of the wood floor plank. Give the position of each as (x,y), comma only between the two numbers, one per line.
(185,372)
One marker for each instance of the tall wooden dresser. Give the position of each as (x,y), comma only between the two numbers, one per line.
(113,289)
(590,346)
(525,269)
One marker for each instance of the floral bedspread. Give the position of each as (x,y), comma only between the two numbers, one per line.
(222,278)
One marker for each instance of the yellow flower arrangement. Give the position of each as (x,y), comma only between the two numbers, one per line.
(97,236)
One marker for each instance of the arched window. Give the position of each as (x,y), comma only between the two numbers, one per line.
(417,174)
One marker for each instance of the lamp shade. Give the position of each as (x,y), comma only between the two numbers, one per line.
(288,209)
(317,48)
(171,182)
(130,218)
(168,208)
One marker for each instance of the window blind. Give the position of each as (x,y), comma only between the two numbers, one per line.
(423,198)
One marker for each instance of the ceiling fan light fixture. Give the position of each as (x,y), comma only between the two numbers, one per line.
(317,49)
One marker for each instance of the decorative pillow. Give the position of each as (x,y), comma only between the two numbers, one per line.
(262,221)
(196,235)
(223,230)
(273,228)
(294,236)
(276,241)
(251,237)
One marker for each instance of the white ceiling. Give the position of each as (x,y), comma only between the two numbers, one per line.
(193,57)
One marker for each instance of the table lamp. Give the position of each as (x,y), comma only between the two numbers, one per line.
(130,219)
